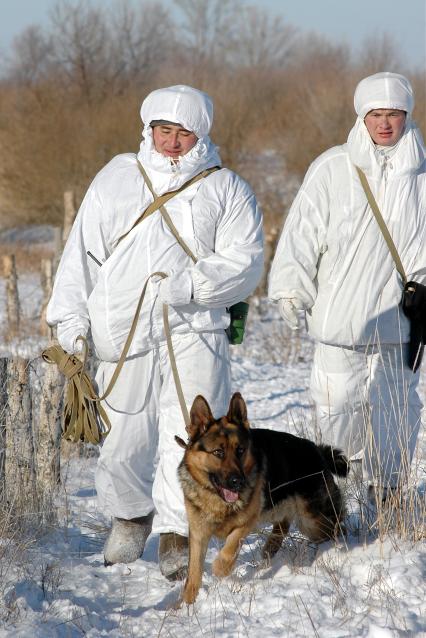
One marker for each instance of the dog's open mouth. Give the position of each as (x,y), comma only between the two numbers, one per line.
(229,496)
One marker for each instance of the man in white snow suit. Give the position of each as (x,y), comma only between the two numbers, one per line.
(98,284)
(333,265)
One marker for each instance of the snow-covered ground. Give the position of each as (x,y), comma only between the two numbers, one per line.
(361,586)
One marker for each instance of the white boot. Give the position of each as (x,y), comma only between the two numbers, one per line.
(173,556)
(126,540)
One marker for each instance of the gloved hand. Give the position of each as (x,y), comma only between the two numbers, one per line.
(289,310)
(67,336)
(176,289)
(71,345)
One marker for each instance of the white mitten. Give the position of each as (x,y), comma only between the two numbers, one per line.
(289,310)
(67,337)
(176,289)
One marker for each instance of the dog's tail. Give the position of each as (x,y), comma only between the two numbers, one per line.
(336,461)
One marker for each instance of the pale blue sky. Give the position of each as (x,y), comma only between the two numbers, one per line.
(347,21)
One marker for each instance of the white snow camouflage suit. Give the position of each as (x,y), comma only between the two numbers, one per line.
(333,258)
(218,218)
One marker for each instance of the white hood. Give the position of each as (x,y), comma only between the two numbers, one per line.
(408,154)
(193,110)
(182,104)
(383,91)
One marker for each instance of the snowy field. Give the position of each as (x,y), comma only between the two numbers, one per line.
(368,584)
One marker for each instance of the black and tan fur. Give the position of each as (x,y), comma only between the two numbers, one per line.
(234,478)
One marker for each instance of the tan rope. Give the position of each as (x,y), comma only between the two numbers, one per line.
(84,417)
(163,210)
(160,200)
(382,225)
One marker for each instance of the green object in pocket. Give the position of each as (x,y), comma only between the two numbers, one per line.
(235,331)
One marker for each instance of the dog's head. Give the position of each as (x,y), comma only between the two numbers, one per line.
(219,452)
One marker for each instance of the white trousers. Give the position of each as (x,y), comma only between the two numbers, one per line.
(367,404)
(137,467)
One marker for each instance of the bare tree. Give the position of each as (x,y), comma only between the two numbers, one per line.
(31,57)
(209,29)
(263,40)
(143,40)
(378,53)
(80,38)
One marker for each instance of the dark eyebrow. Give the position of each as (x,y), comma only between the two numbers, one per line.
(169,127)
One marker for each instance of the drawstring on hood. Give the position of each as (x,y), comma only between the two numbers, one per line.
(384,157)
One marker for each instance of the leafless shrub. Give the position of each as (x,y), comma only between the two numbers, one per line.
(378,53)
(70,98)
(264,41)
(209,29)
(419,113)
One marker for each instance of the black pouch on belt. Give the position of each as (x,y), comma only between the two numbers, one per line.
(414,308)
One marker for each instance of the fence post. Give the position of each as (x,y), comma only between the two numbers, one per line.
(49,430)
(47,285)
(270,244)
(69,214)
(57,243)
(20,466)
(12,297)
(3,408)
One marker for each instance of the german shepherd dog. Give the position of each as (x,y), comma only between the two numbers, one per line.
(234,477)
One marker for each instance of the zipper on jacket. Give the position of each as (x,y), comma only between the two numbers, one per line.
(94,258)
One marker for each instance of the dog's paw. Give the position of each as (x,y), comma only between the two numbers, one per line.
(221,567)
(189,595)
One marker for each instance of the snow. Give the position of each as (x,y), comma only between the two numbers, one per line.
(364,585)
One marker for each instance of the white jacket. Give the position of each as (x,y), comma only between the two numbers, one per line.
(332,255)
(217,217)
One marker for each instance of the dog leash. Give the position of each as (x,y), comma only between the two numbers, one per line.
(158,204)
(190,254)
(84,418)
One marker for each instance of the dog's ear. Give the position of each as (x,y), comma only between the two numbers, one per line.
(181,442)
(237,412)
(201,416)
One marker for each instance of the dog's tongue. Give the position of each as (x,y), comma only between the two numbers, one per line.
(229,496)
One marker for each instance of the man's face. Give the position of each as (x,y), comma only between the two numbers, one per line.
(385,125)
(173,141)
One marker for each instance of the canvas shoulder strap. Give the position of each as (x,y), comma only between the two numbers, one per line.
(381,222)
(158,202)
(164,212)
